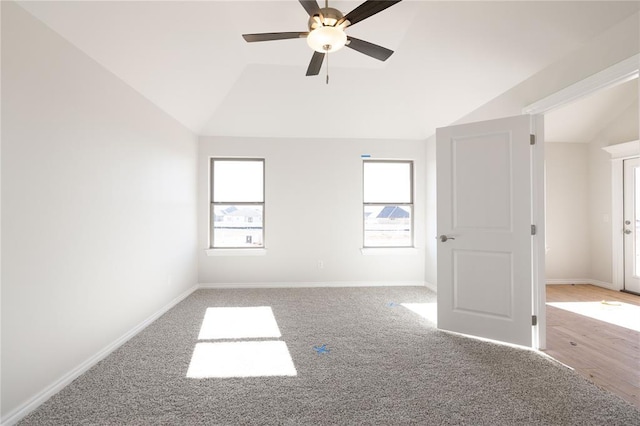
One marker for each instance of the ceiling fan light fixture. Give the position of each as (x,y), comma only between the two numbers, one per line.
(326,39)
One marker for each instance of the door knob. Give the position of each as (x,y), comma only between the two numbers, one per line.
(627,231)
(443,238)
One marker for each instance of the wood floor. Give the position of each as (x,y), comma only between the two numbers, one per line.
(607,354)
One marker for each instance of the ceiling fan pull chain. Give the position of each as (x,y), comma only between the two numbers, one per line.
(327,67)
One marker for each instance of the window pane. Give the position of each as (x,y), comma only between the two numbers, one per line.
(237,226)
(387,182)
(238,181)
(387,226)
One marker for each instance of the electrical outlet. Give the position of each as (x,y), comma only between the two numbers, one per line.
(320,264)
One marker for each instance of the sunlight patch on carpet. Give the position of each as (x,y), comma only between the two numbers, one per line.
(247,354)
(616,313)
(241,359)
(239,323)
(428,311)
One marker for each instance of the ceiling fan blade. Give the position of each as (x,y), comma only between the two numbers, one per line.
(367,9)
(311,6)
(315,64)
(273,36)
(369,49)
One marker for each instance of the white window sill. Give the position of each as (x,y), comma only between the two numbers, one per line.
(386,251)
(236,252)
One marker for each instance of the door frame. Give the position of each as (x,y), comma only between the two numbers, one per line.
(618,73)
(538,253)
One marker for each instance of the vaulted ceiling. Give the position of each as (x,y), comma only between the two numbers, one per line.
(450,57)
(581,121)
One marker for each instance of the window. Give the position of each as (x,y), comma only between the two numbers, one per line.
(388,203)
(237,203)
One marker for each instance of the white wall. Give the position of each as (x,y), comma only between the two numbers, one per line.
(567,210)
(98,208)
(313,211)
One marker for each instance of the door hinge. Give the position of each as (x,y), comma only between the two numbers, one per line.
(532,139)
(533,230)
(534,320)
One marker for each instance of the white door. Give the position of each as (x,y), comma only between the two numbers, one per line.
(632,225)
(484,226)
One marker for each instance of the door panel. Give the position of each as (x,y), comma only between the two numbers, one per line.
(484,212)
(473,266)
(474,182)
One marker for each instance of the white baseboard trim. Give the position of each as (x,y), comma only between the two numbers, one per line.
(565,281)
(297,284)
(23,410)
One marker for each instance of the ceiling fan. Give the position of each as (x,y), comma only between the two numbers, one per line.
(326,31)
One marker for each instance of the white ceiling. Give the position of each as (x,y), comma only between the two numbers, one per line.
(580,121)
(450,57)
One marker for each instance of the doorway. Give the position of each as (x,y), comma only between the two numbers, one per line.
(584,228)
(581,217)
(591,326)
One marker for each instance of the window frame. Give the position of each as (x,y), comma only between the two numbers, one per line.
(384,204)
(213,203)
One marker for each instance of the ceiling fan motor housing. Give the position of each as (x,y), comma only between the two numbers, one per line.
(327,16)
(324,35)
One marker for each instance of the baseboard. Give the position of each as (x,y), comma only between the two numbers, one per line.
(23,410)
(604,284)
(597,283)
(314,284)
(565,281)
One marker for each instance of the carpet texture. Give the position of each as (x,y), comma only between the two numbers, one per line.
(382,364)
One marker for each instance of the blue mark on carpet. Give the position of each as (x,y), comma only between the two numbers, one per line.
(392,304)
(321,349)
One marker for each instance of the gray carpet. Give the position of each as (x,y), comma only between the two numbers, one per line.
(385,365)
